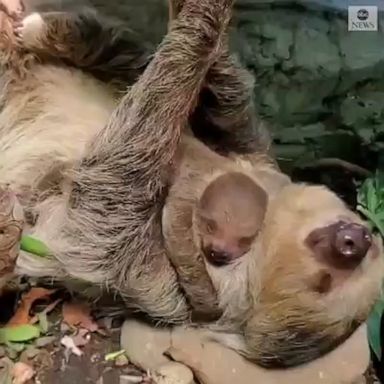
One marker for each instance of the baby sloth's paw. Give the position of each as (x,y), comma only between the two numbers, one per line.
(29,30)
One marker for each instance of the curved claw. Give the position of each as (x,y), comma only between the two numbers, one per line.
(11,228)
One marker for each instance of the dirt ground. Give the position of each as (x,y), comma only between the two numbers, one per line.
(89,368)
(92,368)
(52,361)
(56,363)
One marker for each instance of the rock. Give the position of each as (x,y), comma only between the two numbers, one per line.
(173,373)
(305,61)
(30,353)
(216,364)
(127,379)
(144,345)
(213,363)
(44,341)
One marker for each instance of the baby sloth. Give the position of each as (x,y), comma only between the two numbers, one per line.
(210,220)
(228,217)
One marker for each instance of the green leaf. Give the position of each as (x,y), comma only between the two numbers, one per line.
(17,347)
(19,334)
(372,218)
(6,371)
(374,329)
(114,355)
(12,354)
(371,196)
(34,246)
(370,199)
(371,204)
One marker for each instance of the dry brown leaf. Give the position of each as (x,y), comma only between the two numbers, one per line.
(70,346)
(21,373)
(81,338)
(21,315)
(79,315)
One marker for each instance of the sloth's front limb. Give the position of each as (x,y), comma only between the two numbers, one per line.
(88,41)
(113,227)
(226,118)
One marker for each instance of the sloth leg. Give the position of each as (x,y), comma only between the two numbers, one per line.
(113,224)
(85,40)
(225,117)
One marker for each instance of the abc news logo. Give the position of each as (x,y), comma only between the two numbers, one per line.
(362,18)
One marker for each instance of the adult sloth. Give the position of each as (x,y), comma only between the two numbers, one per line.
(308,279)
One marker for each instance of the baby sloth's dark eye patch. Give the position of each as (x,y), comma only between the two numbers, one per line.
(245,242)
(210,226)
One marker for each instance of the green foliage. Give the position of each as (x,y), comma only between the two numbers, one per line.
(114,355)
(353,131)
(374,328)
(19,333)
(370,200)
(36,247)
(371,204)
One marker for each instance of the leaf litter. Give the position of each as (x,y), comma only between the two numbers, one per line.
(22,372)
(22,316)
(27,332)
(44,333)
(77,314)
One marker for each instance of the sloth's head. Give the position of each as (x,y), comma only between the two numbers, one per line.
(229,216)
(314,272)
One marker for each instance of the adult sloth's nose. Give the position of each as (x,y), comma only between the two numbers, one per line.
(342,245)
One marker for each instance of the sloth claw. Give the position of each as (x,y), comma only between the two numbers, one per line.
(28,30)
(11,227)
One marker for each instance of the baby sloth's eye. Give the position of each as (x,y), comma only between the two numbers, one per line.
(245,242)
(210,226)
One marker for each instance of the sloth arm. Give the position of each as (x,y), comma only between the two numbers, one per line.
(225,117)
(88,41)
(114,224)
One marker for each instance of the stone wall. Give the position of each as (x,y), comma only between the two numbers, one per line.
(320,86)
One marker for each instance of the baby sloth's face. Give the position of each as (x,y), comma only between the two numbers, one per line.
(230,215)
(319,273)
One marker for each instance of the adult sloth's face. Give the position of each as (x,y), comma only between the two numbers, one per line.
(321,272)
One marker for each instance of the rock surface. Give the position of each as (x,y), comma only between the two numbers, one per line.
(212,363)
(314,77)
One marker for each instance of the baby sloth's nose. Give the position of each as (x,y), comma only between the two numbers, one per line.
(343,245)
(218,257)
